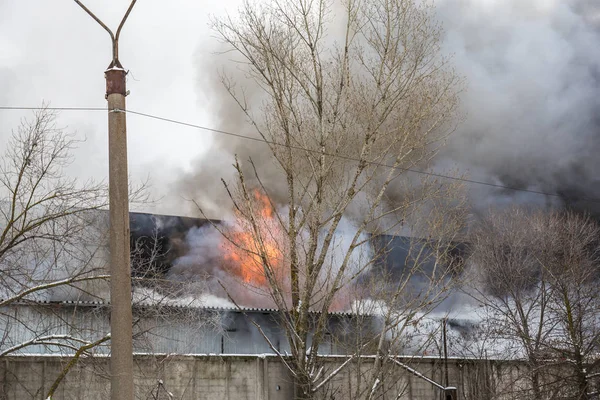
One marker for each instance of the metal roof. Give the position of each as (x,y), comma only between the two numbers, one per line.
(97,303)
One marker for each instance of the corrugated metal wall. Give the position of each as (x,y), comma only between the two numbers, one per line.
(171,332)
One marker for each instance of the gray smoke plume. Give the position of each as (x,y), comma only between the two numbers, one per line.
(204,184)
(533,111)
(532,105)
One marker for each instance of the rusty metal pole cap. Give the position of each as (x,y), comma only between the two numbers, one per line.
(115,81)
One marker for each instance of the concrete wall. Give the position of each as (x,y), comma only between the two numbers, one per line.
(240,377)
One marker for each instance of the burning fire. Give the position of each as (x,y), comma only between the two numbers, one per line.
(246,249)
(251,253)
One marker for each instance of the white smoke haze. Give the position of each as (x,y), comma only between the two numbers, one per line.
(359,259)
(203,256)
(149,297)
(369,307)
(203,263)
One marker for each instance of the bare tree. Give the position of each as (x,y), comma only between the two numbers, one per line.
(47,237)
(53,248)
(50,239)
(536,279)
(571,259)
(348,110)
(512,287)
(52,244)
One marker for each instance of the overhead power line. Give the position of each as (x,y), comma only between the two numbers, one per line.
(432,174)
(266,141)
(56,108)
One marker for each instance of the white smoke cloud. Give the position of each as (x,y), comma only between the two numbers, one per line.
(150,297)
(203,258)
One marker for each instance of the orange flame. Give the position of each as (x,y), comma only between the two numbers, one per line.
(244,257)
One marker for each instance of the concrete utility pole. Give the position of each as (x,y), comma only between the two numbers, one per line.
(445,339)
(121,358)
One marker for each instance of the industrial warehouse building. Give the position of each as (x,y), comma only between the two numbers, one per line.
(197,349)
(199,352)
(166,321)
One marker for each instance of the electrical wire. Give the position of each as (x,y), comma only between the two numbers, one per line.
(262,140)
(55,108)
(432,174)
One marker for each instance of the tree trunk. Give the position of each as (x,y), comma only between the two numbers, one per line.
(302,388)
(582,383)
(535,383)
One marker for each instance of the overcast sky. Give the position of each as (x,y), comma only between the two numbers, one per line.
(53,51)
(532,67)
